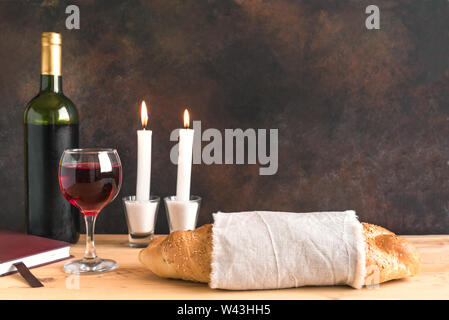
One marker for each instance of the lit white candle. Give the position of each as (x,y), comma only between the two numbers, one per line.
(143,157)
(184,160)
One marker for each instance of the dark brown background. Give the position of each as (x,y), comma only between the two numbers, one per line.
(363,116)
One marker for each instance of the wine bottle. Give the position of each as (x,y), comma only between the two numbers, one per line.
(51,126)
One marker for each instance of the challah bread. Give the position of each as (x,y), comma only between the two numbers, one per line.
(187,255)
(388,256)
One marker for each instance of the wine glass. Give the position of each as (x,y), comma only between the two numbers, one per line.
(89,179)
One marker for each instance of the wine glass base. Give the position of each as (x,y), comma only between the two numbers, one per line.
(83,267)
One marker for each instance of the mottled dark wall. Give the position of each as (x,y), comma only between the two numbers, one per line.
(363,116)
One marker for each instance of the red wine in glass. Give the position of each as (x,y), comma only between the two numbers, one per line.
(86,187)
(89,179)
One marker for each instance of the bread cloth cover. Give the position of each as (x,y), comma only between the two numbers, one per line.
(271,250)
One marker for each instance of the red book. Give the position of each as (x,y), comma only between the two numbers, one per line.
(33,251)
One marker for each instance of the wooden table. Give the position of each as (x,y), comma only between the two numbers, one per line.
(132,281)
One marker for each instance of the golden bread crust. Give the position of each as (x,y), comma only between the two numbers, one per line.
(388,256)
(181,255)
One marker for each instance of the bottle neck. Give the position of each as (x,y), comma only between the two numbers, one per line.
(51,83)
(51,62)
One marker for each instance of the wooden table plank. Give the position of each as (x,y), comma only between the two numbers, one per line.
(132,281)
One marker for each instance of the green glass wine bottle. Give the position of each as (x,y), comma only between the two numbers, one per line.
(51,126)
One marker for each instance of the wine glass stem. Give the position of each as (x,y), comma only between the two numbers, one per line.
(90,254)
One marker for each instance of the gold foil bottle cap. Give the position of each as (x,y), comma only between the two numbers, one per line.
(51,53)
(51,38)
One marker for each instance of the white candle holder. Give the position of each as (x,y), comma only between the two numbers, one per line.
(182,215)
(141,216)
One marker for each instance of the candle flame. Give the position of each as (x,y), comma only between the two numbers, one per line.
(144,114)
(186,119)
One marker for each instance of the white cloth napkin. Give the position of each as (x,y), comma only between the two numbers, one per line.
(272,250)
